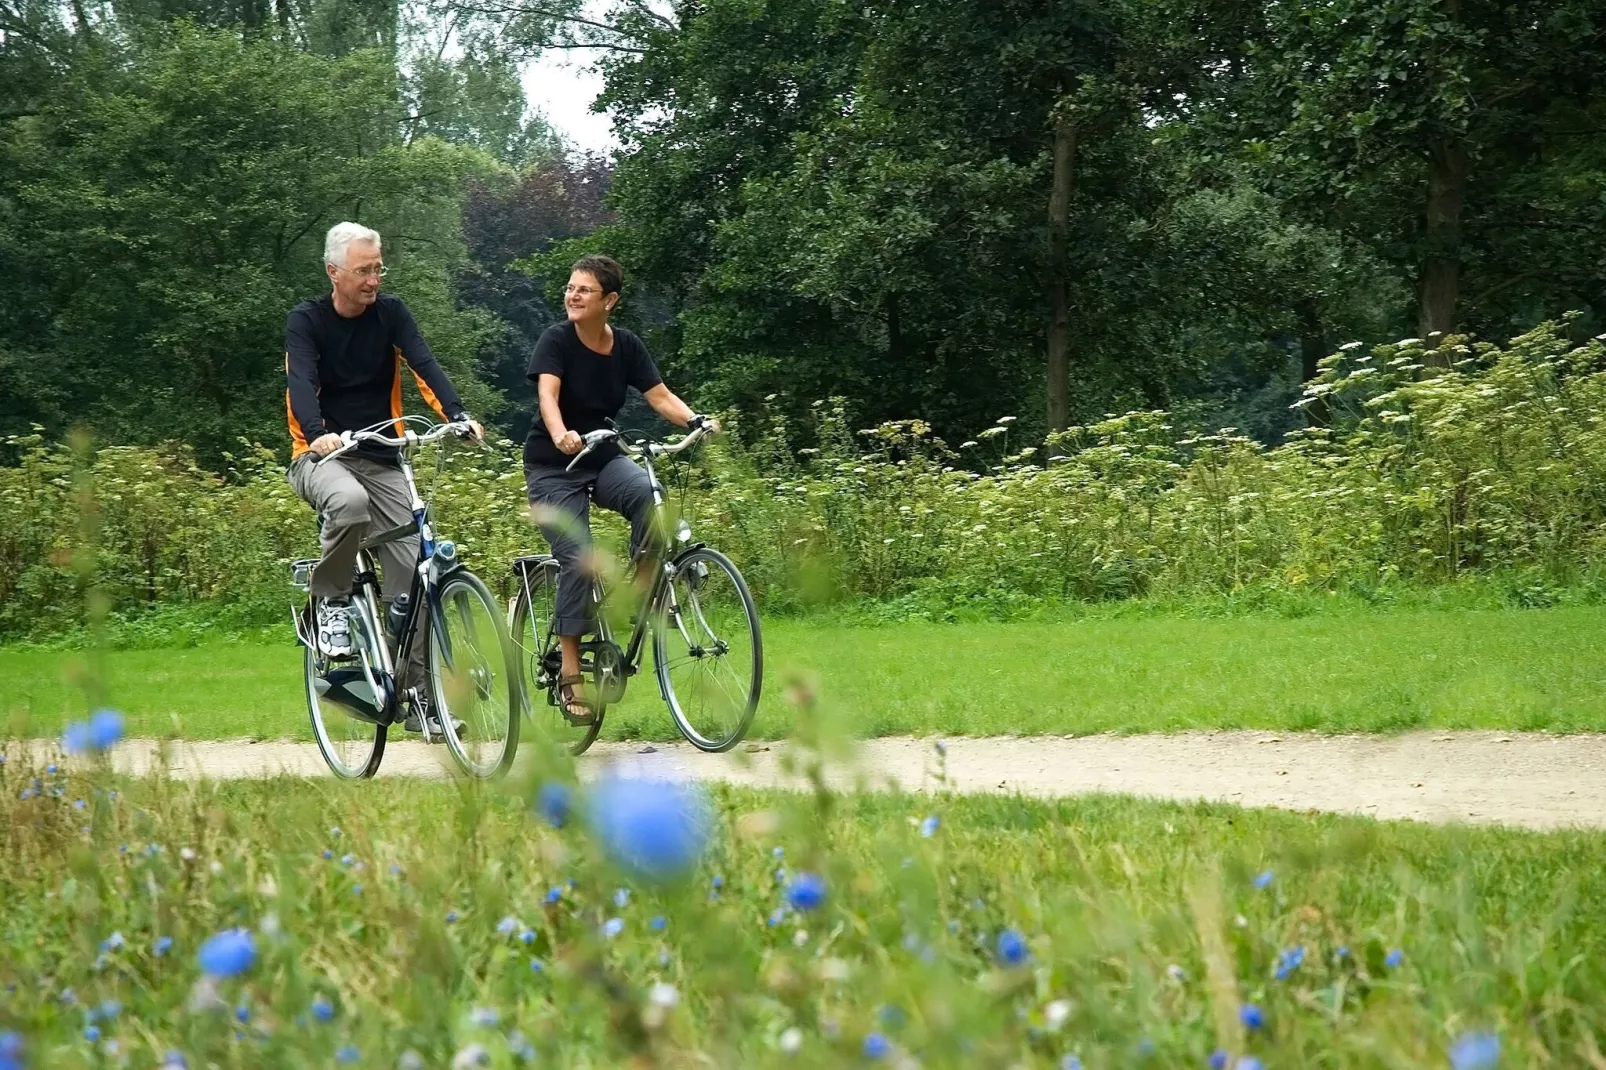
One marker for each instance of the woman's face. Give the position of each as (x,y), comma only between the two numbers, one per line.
(584,300)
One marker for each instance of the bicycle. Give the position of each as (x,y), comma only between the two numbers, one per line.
(707,650)
(354,701)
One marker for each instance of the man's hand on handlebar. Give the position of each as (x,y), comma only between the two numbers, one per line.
(324,445)
(569,442)
(479,431)
(699,422)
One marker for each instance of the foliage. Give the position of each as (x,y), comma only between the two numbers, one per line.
(1491,466)
(961,931)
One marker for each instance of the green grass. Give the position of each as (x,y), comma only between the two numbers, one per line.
(1120,902)
(1364,671)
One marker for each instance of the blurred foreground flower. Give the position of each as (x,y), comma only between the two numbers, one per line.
(806,892)
(655,829)
(228,953)
(103,729)
(1475,1051)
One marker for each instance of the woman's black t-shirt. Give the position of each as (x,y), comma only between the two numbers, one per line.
(593,389)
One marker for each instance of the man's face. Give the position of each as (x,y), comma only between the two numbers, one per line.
(357,280)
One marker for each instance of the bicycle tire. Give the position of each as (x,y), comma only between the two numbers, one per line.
(451,697)
(530,639)
(350,729)
(680,697)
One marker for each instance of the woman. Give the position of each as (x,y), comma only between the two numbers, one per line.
(580,369)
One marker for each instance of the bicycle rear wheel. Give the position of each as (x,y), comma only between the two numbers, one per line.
(474,677)
(709,653)
(539,658)
(352,747)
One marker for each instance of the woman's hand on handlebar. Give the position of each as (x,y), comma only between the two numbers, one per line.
(569,442)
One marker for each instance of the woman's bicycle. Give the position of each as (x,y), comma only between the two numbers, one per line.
(472,682)
(707,650)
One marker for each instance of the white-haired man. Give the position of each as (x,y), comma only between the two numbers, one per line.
(344,353)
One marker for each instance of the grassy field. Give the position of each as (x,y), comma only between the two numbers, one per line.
(378,910)
(1367,671)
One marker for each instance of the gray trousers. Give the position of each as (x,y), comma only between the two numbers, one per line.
(621,486)
(357,497)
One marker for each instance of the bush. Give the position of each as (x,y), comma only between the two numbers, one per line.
(1491,466)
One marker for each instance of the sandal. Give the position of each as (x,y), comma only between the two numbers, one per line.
(570,701)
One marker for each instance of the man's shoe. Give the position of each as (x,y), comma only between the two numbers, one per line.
(334,628)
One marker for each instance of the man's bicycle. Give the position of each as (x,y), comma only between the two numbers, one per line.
(707,650)
(471,673)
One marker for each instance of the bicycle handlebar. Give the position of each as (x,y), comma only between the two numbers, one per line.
(593,439)
(409,437)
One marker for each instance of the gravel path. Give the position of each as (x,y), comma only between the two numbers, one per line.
(1525,780)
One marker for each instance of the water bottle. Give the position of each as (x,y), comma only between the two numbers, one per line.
(396,616)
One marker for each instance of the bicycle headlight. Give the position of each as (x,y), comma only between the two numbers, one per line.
(446,550)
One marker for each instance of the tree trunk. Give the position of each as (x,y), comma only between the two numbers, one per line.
(1438,287)
(1312,348)
(1059,283)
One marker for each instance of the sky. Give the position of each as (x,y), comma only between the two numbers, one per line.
(561,87)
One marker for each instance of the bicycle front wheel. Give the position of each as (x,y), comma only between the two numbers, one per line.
(474,678)
(709,653)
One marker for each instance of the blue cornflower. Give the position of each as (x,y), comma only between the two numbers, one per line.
(1011,948)
(1393,959)
(173,1060)
(1070,1062)
(228,953)
(78,804)
(554,804)
(242,1014)
(1475,1051)
(942,749)
(1343,951)
(779,852)
(395,870)
(613,927)
(1217,1060)
(484,1017)
(508,925)
(1289,961)
(105,728)
(109,1009)
(1263,880)
(777,916)
(1251,1016)
(323,1009)
(806,892)
(327,853)
(161,945)
(114,942)
(92,1033)
(356,889)
(621,897)
(75,739)
(537,966)
(347,859)
(717,883)
(876,1046)
(451,917)
(10,1051)
(658,923)
(527,937)
(780,874)
(553,895)
(652,828)
(1248,1062)
(929,827)
(347,1054)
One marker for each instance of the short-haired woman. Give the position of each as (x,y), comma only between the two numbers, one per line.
(581,369)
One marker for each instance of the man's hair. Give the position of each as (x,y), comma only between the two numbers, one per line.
(605,269)
(339,239)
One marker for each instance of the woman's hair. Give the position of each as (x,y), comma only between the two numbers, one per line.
(605,269)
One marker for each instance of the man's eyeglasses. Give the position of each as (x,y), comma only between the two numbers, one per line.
(368,272)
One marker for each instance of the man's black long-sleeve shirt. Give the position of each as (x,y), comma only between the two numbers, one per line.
(345,374)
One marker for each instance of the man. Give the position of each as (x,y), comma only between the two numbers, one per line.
(343,358)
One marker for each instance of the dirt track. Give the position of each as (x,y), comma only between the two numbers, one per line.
(1526,780)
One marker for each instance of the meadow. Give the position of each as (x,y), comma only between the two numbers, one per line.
(475,926)
(1346,669)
